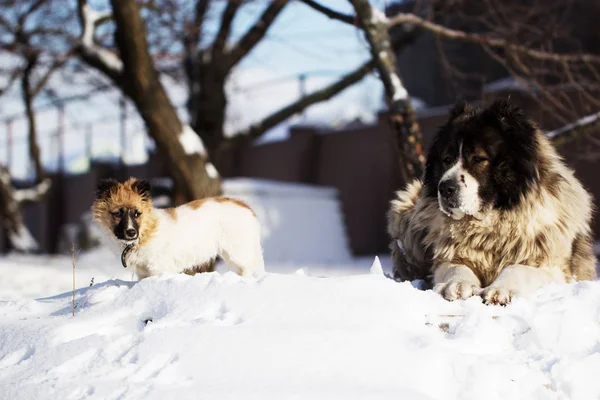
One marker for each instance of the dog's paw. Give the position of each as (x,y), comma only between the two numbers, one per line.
(497,296)
(457,290)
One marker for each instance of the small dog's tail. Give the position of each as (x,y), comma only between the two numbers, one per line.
(410,259)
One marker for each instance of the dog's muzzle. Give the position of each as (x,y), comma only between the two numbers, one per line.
(448,192)
(130,234)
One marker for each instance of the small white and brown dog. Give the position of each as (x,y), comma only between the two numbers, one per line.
(184,239)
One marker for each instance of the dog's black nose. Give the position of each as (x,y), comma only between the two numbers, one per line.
(448,188)
(130,233)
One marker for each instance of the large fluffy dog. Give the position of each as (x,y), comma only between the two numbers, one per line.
(497,213)
(184,239)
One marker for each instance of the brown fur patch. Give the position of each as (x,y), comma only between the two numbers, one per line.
(125,195)
(171,212)
(234,201)
(583,259)
(196,204)
(208,266)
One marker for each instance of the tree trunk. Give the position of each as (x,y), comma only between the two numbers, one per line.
(140,81)
(26,90)
(209,107)
(402,115)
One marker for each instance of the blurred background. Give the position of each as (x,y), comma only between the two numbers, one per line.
(314,112)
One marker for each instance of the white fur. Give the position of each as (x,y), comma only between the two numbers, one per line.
(455,281)
(469,202)
(520,280)
(198,235)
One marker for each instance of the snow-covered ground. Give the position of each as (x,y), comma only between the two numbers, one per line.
(43,276)
(323,332)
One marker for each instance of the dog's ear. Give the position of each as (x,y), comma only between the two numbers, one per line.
(142,187)
(104,187)
(459,108)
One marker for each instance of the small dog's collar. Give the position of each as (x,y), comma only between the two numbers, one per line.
(126,251)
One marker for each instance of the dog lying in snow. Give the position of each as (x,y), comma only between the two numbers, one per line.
(184,239)
(497,214)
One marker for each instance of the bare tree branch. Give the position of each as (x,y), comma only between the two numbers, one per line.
(193,31)
(28,96)
(225,29)
(103,19)
(33,194)
(32,8)
(256,32)
(191,40)
(55,66)
(14,75)
(448,33)
(348,19)
(286,112)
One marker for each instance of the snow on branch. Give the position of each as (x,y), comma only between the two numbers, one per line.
(408,136)
(22,240)
(378,16)
(33,194)
(568,131)
(448,33)
(374,24)
(11,216)
(191,142)
(97,56)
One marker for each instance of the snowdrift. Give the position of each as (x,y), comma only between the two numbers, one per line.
(220,336)
(299,223)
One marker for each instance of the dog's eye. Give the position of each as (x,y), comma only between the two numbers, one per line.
(478,159)
(447,160)
(117,213)
(137,214)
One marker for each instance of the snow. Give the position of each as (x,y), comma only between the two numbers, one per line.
(288,335)
(29,276)
(508,83)
(376,268)
(378,16)
(190,141)
(400,92)
(299,223)
(211,170)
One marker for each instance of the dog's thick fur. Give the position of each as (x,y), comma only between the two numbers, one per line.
(184,239)
(497,213)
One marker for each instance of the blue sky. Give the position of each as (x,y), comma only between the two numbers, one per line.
(300,41)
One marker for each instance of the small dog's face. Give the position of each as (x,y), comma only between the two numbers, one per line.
(120,207)
(481,159)
(126,223)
